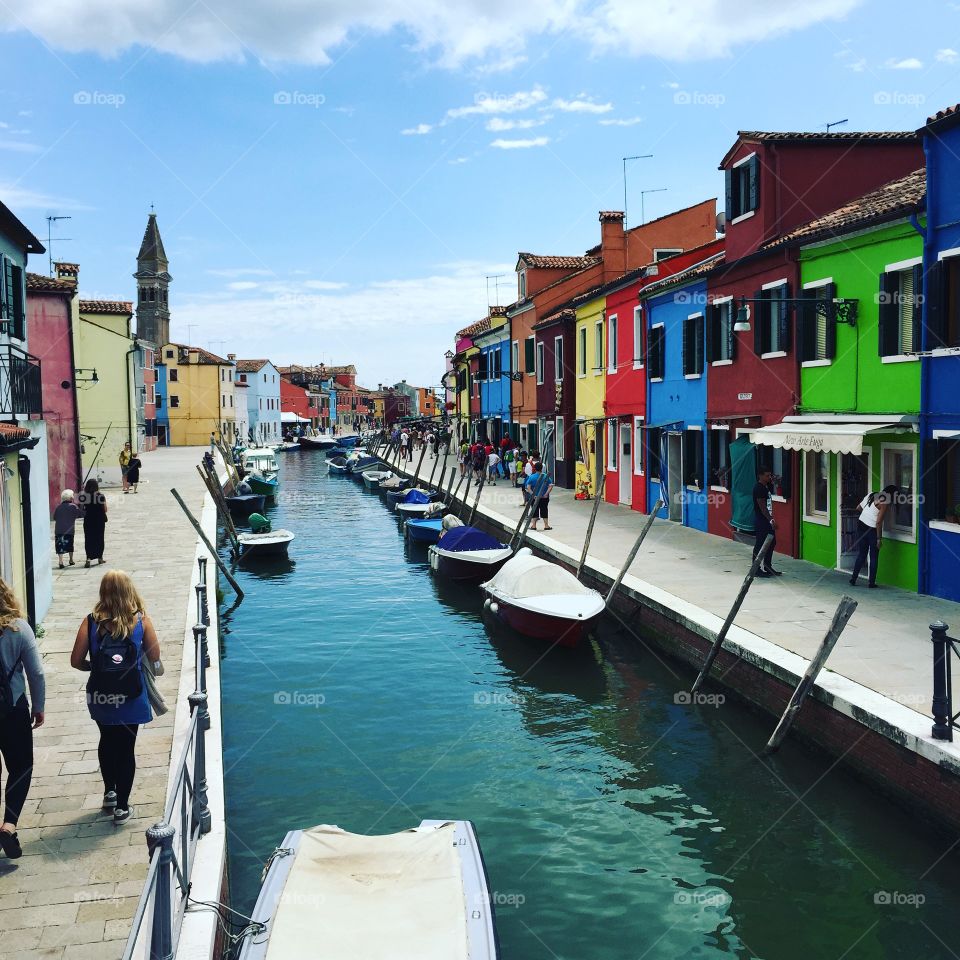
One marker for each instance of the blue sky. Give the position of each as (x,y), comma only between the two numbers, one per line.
(334,180)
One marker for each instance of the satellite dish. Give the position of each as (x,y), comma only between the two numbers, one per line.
(721,223)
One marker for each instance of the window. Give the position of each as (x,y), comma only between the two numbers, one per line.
(638,336)
(521,284)
(771,327)
(693,345)
(598,347)
(661,253)
(900,311)
(515,356)
(174,374)
(12,298)
(582,351)
(693,459)
(539,362)
(941,472)
(612,444)
(159,401)
(743,187)
(721,343)
(169,354)
(816,493)
(718,464)
(816,332)
(654,461)
(242,377)
(529,364)
(897,467)
(558,359)
(638,445)
(656,355)
(943,304)
(174,400)
(612,344)
(483,366)
(559,438)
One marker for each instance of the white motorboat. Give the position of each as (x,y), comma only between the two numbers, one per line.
(270,543)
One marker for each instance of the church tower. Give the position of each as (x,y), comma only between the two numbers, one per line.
(153,282)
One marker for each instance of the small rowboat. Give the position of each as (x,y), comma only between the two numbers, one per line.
(424,529)
(287,446)
(242,505)
(373,478)
(357,464)
(257,546)
(407,896)
(542,599)
(337,465)
(468,554)
(394,485)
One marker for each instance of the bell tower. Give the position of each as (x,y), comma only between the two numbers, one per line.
(153,282)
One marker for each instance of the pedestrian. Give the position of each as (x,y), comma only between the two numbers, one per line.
(873,510)
(64,520)
(125,456)
(405,445)
(510,455)
(111,644)
(94,521)
(133,474)
(539,484)
(463,457)
(493,466)
(479,461)
(213,443)
(20,663)
(432,445)
(764,523)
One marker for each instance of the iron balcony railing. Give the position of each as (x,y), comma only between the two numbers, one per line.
(21,393)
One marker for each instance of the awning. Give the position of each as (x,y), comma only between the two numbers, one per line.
(288,416)
(946,434)
(822,437)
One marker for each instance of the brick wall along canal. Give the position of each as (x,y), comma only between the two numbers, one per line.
(616,822)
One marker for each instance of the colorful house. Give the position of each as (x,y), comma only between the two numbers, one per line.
(940,380)
(199,395)
(493,376)
(590,364)
(466,365)
(556,401)
(263,398)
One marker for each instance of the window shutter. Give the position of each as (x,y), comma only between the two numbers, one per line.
(685,348)
(933,489)
(711,332)
(830,350)
(783,319)
(731,335)
(936,297)
(916,340)
(728,183)
(699,328)
(889,314)
(759,312)
(6,301)
(661,351)
(528,356)
(754,182)
(786,476)
(807,326)
(18,328)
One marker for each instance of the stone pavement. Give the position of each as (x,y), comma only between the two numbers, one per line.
(885,647)
(73,893)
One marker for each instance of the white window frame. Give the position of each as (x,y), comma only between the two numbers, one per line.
(662,253)
(515,356)
(822,519)
(706,468)
(816,285)
(638,323)
(558,359)
(582,351)
(719,302)
(521,284)
(558,448)
(598,354)
(660,379)
(740,163)
(703,347)
(898,533)
(612,325)
(613,442)
(538,360)
(638,446)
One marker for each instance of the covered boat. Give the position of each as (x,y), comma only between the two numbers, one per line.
(541,599)
(373,478)
(424,529)
(416,501)
(394,485)
(418,895)
(337,464)
(466,553)
(357,464)
(241,505)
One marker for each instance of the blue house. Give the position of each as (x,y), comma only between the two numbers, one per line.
(493,378)
(162,397)
(940,372)
(676,435)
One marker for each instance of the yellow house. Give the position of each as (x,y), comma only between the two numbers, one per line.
(106,399)
(198,395)
(590,379)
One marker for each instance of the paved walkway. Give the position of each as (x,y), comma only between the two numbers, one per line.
(885,647)
(73,893)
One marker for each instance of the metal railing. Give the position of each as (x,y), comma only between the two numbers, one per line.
(21,392)
(172,841)
(944,719)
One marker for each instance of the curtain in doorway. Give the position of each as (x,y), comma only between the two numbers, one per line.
(743,475)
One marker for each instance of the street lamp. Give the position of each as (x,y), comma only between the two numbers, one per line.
(838,310)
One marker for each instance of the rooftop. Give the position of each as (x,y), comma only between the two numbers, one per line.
(204,356)
(557,262)
(250,366)
(43,284)
(120,307)
(693,272)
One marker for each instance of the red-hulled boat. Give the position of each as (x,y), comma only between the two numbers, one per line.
(541,599)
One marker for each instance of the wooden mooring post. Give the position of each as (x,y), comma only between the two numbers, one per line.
(632,555)
(221,566)
(593,519)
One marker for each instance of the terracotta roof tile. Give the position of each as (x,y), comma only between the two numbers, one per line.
(557,263)
(693,272)
(782,136)
(42,284)
(10,433)
(250,366)
(892,200)
(558,316)
(481,326)
(946,118)
(106,306)
(204,356)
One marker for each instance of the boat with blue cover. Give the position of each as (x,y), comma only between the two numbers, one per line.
(424,529)
(468,554)
(356,465)
(417,501)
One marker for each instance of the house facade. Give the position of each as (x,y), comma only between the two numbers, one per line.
(262,380)
(556,401)
(590,392)
(493,377)
(198,395)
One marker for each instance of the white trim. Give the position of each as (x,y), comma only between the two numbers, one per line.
(743,160)
(944,352)
(943,525)
(816,363)
(694,426)
(947,254)
(774,355)
(777,498)
(637,364)
(637,447)
(693,316)
(692,376)
(773,284)
(900,358)
(742,217)
(720,489)
(716,301)
(902,265)
(656,379)
(822,520)
(945,433)
(720,363)
(914,449)
(814,284)
(720,426)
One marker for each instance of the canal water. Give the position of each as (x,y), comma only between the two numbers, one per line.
(616,822)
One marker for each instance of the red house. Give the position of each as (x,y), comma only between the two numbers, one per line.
(295,399)
(774,182)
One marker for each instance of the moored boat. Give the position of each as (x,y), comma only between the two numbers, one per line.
(270,543)
(407,896)
(468,554)
(337,465)
(317,441)
(373,478)
(357,464)
(242,505)
(415,501)
(424,529)
(541,599)
(261,471)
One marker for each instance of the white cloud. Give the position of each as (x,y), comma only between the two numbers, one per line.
(21,198)
(323,285)
(908,63)
(500,125)
(582,104)
(671,85)
(241,272)
(946,55)
(19,146)
(494,103)
(418,131)
(503,65)
(501,144)
(456,161)
(243,285)
(858,66)
(620,121)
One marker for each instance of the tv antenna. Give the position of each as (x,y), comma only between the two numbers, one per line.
(643,194)
(639,156)
(495,277)
(50,239)
(835,123)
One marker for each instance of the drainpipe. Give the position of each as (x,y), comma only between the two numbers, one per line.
(23,467)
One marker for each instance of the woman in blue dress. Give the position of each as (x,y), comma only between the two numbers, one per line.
(117,691)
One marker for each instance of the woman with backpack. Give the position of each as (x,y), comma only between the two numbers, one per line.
(19,664)
(113,643)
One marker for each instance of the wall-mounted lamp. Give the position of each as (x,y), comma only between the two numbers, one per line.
(836,310)
(93,378)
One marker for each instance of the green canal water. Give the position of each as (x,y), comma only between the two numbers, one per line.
(360,690)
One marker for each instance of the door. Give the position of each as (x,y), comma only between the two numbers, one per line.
(675,477)
(626,464)
(853,480)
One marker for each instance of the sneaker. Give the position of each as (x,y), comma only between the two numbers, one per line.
(872,586)
(122,816)
(109,799)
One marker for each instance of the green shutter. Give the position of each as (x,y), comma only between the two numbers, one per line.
(889,314)
(830,333)
(807,326)
(728,183)
(754,183)
(711,331)
(528,355)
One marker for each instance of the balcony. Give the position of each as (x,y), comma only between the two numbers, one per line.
(21,393)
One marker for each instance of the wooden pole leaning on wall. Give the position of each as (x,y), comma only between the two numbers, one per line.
(632,555)
(466,489)
(433,470)
(453,474)
(416,475)
(598,496)
(841,618)
(222,510)
(221,566)
(734,610)
(476,499)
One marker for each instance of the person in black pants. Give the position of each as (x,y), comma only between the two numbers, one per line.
(873,510)
(19,662)
(763,522)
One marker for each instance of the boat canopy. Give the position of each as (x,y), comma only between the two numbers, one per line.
(415,496)
(462,539)
(528,576)
(356,896)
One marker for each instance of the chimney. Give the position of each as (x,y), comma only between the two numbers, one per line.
(68,271)
(613,244)
(232,357)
